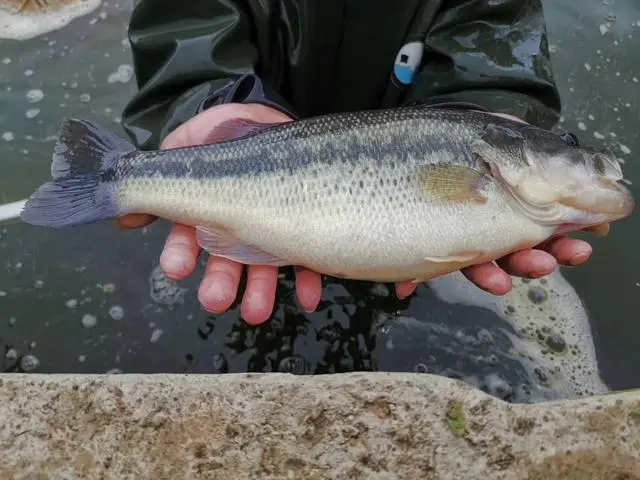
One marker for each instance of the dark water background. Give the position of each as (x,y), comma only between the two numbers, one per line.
(92,300)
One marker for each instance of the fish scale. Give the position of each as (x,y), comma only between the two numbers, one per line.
(387,195)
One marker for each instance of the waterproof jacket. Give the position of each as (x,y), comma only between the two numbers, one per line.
(311,57)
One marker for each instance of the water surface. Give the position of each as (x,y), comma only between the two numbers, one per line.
(93,299)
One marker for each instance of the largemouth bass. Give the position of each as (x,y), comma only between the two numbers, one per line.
(388,195)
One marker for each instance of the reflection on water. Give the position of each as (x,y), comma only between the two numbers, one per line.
(93,299)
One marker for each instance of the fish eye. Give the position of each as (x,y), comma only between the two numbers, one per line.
(570,139)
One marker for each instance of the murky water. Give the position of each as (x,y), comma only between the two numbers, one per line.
(93,299)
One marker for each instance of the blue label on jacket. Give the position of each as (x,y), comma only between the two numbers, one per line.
(407,62)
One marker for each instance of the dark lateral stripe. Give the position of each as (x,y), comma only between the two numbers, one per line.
(255,156)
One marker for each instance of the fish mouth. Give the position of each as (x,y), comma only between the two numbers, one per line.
(606,197)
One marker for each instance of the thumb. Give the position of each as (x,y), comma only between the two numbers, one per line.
(202,128)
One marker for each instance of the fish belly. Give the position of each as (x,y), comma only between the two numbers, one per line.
(350,224)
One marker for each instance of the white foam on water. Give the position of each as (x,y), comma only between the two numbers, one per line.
(89,321)
(29,363)
(155,335)
(35,95)
(17,26)
(123,74)
(552,324)
(163,290)
(116,312)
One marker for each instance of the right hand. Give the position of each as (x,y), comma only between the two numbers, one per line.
(219,286)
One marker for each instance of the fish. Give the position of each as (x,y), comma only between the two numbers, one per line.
(404,193)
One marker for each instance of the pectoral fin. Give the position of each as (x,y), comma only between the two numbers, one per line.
(454,183)
(222,242)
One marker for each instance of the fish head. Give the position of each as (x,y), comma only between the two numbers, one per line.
(553,179)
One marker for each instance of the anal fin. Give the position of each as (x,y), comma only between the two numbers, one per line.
(458,257)
(222,242)
(446,264)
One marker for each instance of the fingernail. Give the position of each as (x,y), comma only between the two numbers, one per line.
(214,296)
(217,292)
(538,274)
(496,285)
(579,258)
(254,301)
(175,261)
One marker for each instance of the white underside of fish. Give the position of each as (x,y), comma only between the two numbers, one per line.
(398,233)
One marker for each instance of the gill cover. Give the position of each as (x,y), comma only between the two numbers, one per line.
(540,171)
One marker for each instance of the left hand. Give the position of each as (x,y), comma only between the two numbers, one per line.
(493,278)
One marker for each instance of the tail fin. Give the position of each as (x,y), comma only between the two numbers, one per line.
(83,169)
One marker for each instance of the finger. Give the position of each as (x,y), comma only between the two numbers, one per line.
(405,288)
(135,220)
(489,277)
(599,230)
(528,263)
(180,253)
(308,288)
(260,294)
(569,251)
(219,287)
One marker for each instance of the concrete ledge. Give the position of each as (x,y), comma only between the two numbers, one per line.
(360,425)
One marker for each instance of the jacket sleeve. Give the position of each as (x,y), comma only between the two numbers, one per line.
(189,56)
(491,54)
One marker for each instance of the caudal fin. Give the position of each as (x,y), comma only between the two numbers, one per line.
(82,189)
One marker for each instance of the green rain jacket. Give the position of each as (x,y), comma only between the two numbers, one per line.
(311,57)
